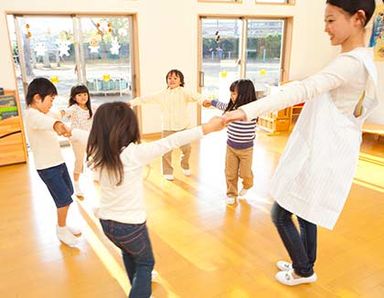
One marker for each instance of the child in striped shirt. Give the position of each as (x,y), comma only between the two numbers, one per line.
(241,134)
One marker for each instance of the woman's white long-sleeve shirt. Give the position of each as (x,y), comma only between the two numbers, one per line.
(124,203)
(345,78)
(174,106)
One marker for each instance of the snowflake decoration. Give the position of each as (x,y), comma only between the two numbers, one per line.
(115,46)
(94,49)
(40,49)
(63,46)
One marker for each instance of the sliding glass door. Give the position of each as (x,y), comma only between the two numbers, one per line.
(68,50)
(239,48)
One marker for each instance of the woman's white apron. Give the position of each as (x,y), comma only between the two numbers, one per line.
(316,169)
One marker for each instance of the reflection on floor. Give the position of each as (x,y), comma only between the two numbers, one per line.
(202,247)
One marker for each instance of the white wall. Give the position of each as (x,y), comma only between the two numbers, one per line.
(173,23)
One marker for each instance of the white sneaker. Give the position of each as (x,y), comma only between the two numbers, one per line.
(230,200)
(65,236)
(243,192)
(284,266)
(286,278)
(169,177)
(187,172)
(75,231)
(78,191)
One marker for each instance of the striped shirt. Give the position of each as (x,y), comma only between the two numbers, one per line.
(240,133)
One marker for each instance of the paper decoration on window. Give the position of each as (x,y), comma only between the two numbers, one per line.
(103,26)
(223,74)
(40,49)
(94,45)
(54,79)
(106,77)
(28,33)
(122,32)
(263,72)
(115,46)
(63,47)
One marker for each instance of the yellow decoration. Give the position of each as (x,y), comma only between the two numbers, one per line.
(106,77)
(223,74)
(54,79)
(263,72)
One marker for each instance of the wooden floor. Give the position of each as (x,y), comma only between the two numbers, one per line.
(202,247)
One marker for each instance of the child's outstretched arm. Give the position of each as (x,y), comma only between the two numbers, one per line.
(155,98)
(219,105)
(144,153)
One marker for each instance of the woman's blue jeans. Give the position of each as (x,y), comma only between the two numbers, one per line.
(134,242)
(301,246)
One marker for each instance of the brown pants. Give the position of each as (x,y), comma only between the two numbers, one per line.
(238,163)
(167,157)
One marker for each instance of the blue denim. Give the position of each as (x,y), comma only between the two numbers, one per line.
(136,248)
(301,246)
(58,183)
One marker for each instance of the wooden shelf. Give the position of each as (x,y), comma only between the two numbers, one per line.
(12,137)
(277,121)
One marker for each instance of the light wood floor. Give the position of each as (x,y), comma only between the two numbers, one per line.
(202,247)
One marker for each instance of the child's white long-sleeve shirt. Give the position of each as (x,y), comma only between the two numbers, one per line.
(174,106)
(124,203)
(78,117)
(43,139)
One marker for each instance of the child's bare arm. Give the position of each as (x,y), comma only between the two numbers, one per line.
(61,129)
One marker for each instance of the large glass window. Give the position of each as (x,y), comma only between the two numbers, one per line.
(68,50)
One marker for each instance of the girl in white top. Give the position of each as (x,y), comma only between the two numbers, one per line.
(114,150)
(315,172)
(79,112)
(175,116)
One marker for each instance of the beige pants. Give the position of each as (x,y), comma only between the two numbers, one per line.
(238,163)
(79,151)
(167,157)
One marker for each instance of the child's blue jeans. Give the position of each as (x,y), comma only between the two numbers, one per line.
(134,242)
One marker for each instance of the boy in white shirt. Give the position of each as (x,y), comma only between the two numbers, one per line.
(41,126)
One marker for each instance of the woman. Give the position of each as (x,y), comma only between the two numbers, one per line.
(315,172)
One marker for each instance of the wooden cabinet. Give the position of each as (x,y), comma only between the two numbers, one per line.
(12,137)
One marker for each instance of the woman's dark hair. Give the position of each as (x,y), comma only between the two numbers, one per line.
(114,127)
(177,73)
(77,90)
(42,87)
(245,94)
(353,6)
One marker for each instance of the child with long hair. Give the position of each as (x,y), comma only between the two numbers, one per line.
(79,113)
(241,134)
(316,170)
(41,125)
(174,102)
(115,151)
